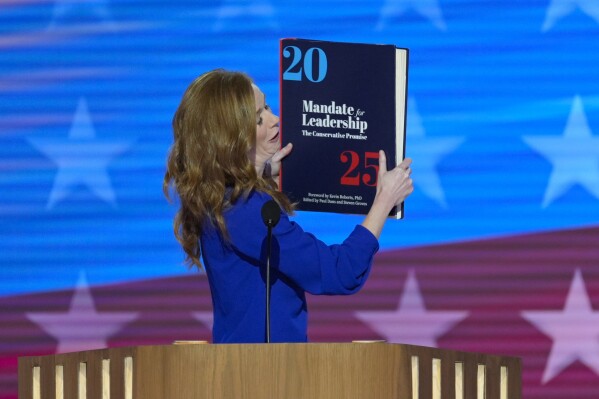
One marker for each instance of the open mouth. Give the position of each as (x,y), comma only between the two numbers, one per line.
(275,138)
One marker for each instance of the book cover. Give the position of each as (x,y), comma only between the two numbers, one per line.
(340,104)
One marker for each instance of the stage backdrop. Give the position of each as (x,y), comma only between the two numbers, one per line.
(499,249)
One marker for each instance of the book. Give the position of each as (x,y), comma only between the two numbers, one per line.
(340,103)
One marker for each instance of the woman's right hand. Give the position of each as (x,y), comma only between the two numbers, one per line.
(396,184)
(393,187)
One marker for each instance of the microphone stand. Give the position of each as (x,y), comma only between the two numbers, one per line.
(271,214)
(268,249)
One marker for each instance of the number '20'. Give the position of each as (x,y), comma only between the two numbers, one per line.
(294,71)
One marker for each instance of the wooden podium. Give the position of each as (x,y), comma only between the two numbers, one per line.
(264,371)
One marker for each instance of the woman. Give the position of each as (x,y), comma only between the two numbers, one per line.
(223,165)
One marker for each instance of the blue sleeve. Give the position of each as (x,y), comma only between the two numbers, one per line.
(299,256)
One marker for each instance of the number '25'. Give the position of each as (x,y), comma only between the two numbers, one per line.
(352,176)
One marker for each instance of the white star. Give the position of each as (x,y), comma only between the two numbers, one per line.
(427,8)
(560,8)
(427,152)
(575,156)
(80,11)
(411,323)
(206,318)
(81,327)
(574,330)
(81,158)
(244,9)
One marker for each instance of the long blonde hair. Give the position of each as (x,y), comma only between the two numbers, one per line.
(208,165)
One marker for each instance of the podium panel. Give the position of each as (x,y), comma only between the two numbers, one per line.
(294,371)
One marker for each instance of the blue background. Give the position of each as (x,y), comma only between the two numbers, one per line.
(502,125)
(94,84)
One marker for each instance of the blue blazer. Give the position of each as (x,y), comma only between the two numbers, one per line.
(299,263)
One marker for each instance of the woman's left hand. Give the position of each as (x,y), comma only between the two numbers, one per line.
(275,161)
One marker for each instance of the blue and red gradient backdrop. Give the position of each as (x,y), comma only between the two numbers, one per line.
(499,249)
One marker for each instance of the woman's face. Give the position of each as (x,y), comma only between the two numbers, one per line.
(267,129)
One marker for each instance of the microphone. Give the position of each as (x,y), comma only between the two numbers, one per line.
(271,214)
